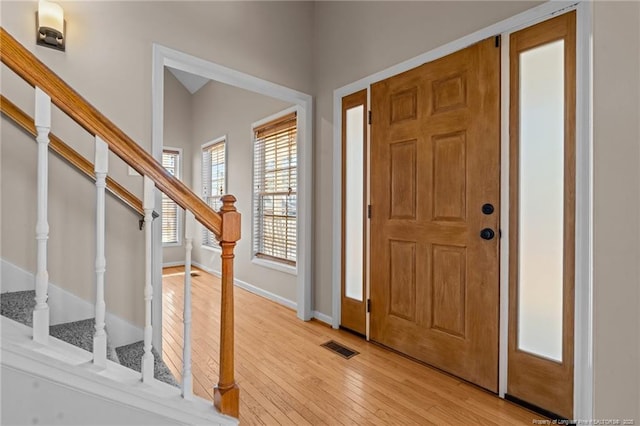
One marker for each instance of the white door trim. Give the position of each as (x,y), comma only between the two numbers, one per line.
(164,56)
(583,361)
(583,338)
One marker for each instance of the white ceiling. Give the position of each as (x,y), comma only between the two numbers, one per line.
(191,82)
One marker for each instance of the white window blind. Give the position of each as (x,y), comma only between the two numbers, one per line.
(213,182)
(275,190)
(170,161)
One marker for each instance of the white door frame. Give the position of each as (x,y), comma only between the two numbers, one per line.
(163,57)
(583,353)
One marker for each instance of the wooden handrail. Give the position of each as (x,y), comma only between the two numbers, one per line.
(225,224)
(11,111)
(33,71)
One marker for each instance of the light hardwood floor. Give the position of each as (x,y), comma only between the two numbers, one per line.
(286,377)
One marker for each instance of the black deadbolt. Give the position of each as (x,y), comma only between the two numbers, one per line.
(487,234)
(487,208)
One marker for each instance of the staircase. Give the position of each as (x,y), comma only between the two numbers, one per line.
(19,305)
(32,346)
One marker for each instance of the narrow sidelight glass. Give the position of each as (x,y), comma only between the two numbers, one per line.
(541,199)
(354,203)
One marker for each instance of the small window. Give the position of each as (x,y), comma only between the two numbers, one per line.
(170,210)
(213,181)
(275,189)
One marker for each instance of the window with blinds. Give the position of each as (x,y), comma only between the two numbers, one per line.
(170,161)
(275,190)
(213,181)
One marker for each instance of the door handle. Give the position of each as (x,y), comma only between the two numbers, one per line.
(487,234)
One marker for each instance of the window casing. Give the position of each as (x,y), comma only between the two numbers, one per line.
(214,183)
(170,210)
(275,190)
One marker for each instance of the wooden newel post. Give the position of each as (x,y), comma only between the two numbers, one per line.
(226,393)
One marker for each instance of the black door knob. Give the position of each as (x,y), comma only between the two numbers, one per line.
(487,208)
(487,234)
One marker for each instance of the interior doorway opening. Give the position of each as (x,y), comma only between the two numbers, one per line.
(196,75)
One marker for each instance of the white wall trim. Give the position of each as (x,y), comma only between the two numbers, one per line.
(583,404)
(157,143)
(212,249)
(252,288)
(273,117)
(277,266)
(172,264)
(67,307)
(583,362)
(164,56)
(266,294)
(322,317)
(219,139)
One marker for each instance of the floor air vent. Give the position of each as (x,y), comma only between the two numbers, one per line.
(340,349)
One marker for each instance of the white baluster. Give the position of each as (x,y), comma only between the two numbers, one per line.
(187,380)
(41,310)
(147,205)
(101,169)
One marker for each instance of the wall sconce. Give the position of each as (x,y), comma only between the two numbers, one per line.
(50,25)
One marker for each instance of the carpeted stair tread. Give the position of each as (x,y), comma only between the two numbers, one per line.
(131,356)
(80,334)
(18,306)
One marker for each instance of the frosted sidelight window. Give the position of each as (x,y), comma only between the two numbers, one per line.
(354,203)
(541,199)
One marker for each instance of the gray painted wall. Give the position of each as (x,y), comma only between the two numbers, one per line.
(617,209)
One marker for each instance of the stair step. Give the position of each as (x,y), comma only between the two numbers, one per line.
(131,356)
(18,306)
(80,334)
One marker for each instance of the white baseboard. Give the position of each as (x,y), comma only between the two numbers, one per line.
(266,294)
(322,317)
(171,264)
(253,289)
(67,307)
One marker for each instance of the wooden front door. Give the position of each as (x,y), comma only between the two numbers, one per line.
(435,171)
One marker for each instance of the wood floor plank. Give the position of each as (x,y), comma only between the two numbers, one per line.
(287,378)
